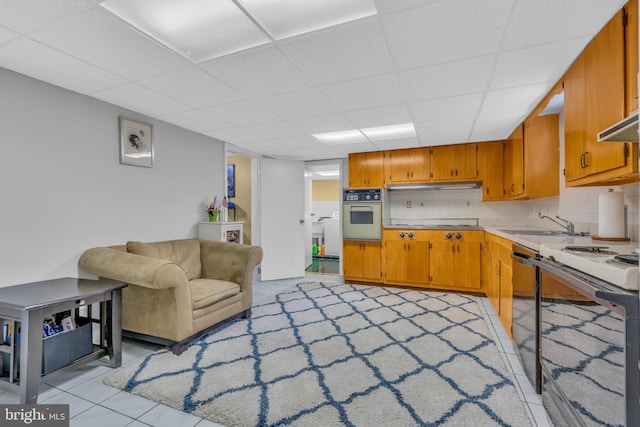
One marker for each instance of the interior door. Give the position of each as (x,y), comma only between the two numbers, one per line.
(282,230)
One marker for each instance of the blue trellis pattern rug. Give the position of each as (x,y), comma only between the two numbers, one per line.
(339,354)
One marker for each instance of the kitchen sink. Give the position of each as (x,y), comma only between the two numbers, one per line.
(536,232)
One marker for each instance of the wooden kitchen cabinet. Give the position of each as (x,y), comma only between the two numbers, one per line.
(406,254)
(499,290)
(596,88)
(362,261)
(514,163)
(491,159)
(407,165)
(366,170)
(455,260)
(454,162)
(631,55)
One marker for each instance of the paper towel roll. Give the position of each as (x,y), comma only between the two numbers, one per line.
(611,214)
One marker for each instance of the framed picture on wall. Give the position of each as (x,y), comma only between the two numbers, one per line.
(136,144)
(231,180)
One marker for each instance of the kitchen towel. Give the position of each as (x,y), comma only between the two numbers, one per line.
(611,214)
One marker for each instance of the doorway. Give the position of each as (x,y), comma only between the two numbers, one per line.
(326,236)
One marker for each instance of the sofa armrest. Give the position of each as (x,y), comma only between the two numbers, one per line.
(132,269)
(229,261)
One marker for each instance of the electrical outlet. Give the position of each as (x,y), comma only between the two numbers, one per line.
(408,203)
(421,203)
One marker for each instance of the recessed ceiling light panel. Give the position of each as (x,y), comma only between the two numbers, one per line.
(380,133)
(196,29)
(342,137)
(287,18)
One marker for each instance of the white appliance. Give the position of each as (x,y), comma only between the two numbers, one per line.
(362,214)
(612,263)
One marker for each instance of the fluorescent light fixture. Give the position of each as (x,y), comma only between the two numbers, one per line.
(390,132)
(287,18)
(328,173)
(342,137)
(196,29)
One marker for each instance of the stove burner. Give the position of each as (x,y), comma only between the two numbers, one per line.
(590,250)
(632,259)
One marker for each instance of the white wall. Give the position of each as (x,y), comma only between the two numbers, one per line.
(63,190)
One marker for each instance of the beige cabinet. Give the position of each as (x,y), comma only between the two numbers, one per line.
(407,165)
(362,260)
(455,260)
(595,97)
(454,162)
(406,255)
(366,170)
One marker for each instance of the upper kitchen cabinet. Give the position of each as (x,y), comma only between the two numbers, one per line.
(514,163)
(454,162)
(366,170)
(597,94)
(407,166)
(491,168)
(631,55)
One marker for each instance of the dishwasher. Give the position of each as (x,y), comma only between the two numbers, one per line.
(526,313)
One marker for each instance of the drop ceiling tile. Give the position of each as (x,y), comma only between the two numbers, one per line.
(364,92)
(520,97)
(497,126)
(233,135)
(391,6)
(421,36)
(258,72)
(195,120)
(140,99)
(22,16)
(342,53)
(261,146)
(242,113)
(99,38)
(192,87)
(446,108)
(32,59)
(392,144)
(6,35)
(445,131)
(357,147)
(532,23)
(273,130)
(319,152)
(301,141)
(298,104)
(546,63)
(324,123)
(449,79)
(380,116)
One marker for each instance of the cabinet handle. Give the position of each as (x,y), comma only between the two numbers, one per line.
(453,248)
(513,187)
(458,248)
(586,164)
(456,172)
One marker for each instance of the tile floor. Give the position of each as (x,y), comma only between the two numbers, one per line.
(95,404)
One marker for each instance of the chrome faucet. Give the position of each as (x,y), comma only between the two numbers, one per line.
(566,224)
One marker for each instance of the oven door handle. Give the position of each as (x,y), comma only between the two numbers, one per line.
(361,208)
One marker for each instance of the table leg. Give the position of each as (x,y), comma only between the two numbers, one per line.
(114,328)
(30,355)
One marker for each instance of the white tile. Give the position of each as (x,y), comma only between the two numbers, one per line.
(9,397)
(99,416)
(516,367)
(137,423)
(94,390)
(76,404)
(207,423)
(68,380)
(540,415)
(527,390)
(163,416)
(129,404)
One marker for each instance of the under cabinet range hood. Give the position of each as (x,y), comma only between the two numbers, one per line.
(435,186)
(626,130)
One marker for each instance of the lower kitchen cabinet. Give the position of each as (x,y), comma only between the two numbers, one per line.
(406,261)
(362,261)
(455,260)
(499,290)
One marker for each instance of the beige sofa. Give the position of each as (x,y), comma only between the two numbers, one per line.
(178,289)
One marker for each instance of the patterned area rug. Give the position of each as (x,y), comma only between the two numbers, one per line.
(338,354)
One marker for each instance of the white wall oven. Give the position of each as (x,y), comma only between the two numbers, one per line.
(362,214)
(588,337)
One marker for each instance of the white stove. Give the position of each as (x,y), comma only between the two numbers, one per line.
(604,261)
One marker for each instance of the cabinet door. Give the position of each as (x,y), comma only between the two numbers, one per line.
(352,259)
(420,164)
(492,170)
(467,267)
(514,163)
(442,163)
(631,50)
(542,156)
(575,119)
(375,169)
(465,161)
(371,260)
(493,291)
(357,169)
(443,257)
(506,297)
(398,166)
(417,262)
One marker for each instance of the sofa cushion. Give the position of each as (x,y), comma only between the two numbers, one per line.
(185,253)
(205,292)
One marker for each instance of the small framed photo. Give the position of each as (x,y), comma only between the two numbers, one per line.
(231,180)
(136,144)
